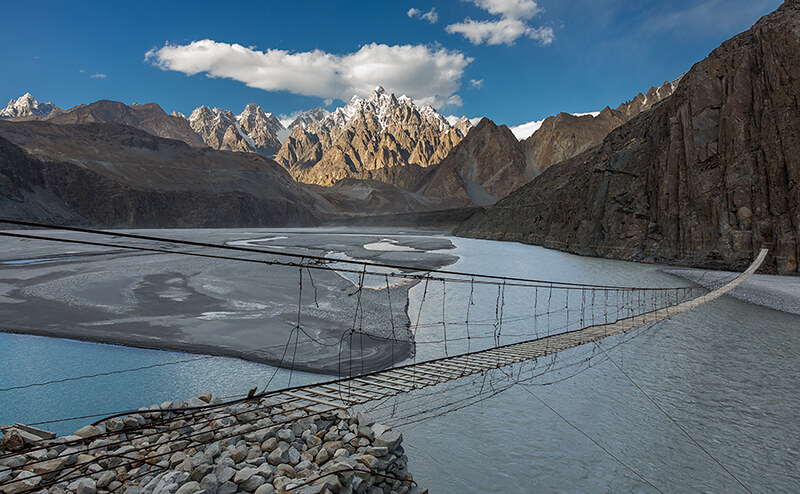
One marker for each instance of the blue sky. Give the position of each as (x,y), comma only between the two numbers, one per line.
(511,60)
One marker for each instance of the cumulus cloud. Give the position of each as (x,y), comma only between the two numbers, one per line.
(510,9)
(427,75)
(98,76)
(476,83)
(508,28)
(504,31)
(431,16)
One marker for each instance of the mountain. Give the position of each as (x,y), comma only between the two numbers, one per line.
(367,137)
(262,128)
(253,130)
(149,118)
(220,130)
(706,177)
(488,164)
(309,117)
(113,175)
(563,136)
(26,106)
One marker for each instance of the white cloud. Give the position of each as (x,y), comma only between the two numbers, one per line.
(98,76)
(431,16)
(424,74)
(509,9)
(526,130)
(504,31)
(476,83)
(592,113)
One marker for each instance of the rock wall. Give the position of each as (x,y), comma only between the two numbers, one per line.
(705,177)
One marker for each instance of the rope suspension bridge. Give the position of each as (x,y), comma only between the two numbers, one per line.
(443,335)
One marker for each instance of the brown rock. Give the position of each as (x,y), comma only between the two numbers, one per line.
(487,165)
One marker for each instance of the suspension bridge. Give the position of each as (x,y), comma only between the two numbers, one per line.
(554,326)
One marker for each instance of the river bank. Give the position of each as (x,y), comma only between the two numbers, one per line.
(274,314)
(261,446)
(767,290)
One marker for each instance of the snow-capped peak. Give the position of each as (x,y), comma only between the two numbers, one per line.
(26,106)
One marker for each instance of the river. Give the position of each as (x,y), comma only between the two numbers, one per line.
(726,372)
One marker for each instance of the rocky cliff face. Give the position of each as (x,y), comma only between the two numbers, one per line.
(262,128)
(367,136)
(107,174)
(705,178)
(149,118)
(219,130)
(488,164)
(309,117)
(565,135)
(253,130)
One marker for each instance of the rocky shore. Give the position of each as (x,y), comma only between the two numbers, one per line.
(259,446)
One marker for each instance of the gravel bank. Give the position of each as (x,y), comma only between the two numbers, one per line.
(773,291)
(259,447)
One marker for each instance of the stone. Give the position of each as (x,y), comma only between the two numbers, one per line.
(201,471)
(188,488)
(243,474)
(294,455)
(265,489)
(239,454)
(286,435)
(106,478)
(252,483)
(227,488)
(278,456)
(265,470)
(87,431)
(206,397)
(86,486)
(321,457)
(377,451)
(226,474)
(210,483)
(284,470)
(389,440)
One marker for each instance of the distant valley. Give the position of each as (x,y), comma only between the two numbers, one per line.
(701,170)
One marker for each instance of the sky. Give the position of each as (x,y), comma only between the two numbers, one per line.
(514,61)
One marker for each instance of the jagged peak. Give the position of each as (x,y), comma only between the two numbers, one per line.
(26,105)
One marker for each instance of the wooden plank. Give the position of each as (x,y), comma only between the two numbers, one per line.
(314,400)
(400,378)
(418,374)
(438,378)
(341,388)
(447,368)
(374,382)
(316,391)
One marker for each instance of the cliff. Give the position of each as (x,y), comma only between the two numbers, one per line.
(705,177)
